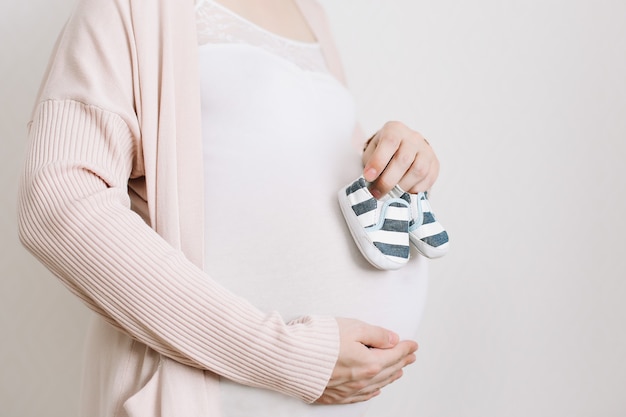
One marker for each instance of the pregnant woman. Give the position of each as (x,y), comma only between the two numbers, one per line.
(181,180)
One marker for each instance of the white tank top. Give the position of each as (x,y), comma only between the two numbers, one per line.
(277,133)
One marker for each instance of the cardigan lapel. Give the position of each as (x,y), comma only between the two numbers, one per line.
(168,107)
(167,90)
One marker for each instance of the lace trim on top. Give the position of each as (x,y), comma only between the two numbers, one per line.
(217,24)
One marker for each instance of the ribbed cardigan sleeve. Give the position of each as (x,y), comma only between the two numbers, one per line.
(75,216)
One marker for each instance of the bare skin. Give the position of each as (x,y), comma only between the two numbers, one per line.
(282,17)
(370,358)
(399,155)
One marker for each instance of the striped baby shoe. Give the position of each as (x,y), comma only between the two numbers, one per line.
(425,233)
(380,228)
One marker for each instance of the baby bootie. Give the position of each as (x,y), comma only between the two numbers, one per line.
(425,233)
(380,228)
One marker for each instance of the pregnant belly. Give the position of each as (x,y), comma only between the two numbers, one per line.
(286,259)
(281,242)
(327,286)
(279,265)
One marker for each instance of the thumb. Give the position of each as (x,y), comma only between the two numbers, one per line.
(378,337)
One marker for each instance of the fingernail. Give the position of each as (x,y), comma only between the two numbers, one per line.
(393,338)
(369,174)
(377,194)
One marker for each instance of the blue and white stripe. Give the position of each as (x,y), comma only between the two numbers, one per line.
(426,233)
(379,227)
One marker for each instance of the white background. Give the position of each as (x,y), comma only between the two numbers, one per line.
(525,103)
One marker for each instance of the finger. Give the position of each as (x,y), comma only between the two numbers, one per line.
(421,175)
(384,148)
(332,397)
(363,395)
(366,397)
(401,162)
(424,185)
(402,354)
(377,337)
(378,386)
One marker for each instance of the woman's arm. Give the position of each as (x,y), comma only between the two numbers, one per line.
(75,216)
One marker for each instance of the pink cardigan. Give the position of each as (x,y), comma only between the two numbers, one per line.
(111,202)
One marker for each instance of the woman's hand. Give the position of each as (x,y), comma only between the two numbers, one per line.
(399,155)
(370,358)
